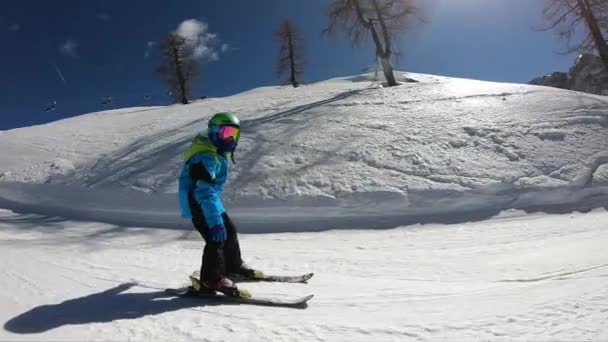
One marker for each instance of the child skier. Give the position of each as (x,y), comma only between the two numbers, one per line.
(201,182)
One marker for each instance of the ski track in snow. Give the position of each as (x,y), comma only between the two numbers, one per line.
(541,277)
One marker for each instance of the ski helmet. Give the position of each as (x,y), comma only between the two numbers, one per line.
(224,131)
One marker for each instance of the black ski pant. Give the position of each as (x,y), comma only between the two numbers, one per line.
(219,259)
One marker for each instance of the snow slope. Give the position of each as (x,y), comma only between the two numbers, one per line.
(434,148)
(459,170)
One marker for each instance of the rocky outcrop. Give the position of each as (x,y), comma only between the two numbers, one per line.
(588,75)
(556,79)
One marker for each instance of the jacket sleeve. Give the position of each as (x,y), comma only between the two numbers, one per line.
(203,170)
(184,186)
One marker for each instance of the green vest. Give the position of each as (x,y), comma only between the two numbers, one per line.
(201,144)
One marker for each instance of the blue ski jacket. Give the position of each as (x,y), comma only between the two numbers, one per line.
(204,173)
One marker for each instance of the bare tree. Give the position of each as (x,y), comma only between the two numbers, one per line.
(178,68)
(570,16)
(291,52)
(382,19)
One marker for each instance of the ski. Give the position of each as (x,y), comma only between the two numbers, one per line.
(244,297)
(272,278)
(260,276)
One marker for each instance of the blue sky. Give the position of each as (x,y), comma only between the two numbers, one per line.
(78,52)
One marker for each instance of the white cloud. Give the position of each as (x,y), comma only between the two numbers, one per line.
(69,48)
(14,27)
(225,47)
(197,35)
(149,46)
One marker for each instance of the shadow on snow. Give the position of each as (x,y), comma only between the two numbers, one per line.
(107,306)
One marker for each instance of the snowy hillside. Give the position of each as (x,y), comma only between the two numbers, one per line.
(481,184)
(439,146)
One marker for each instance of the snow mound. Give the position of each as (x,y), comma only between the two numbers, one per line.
(345,149)
(600,176)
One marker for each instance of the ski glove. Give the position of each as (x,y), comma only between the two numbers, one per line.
(218,233)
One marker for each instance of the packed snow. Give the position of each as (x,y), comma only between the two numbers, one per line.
(439,209)
(533,278)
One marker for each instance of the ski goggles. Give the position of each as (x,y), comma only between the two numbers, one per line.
(227,133)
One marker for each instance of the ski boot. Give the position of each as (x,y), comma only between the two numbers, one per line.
(246,272)
(222,285)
